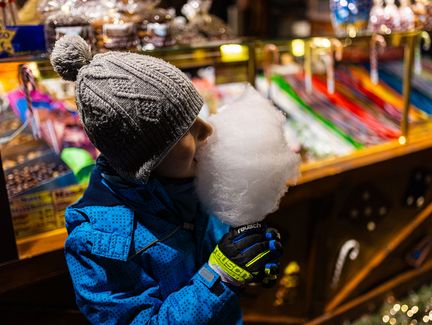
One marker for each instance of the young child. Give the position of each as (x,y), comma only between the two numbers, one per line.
(140,248)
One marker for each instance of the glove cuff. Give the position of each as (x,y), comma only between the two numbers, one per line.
(225,277)
(228,271)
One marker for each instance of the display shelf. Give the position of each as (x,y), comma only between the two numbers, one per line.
(17,274)
(419,139)
(393,39)
(41,243)
(260,319)
(240,54)
(26,58)
(361,303)
(184,57)
(41,256)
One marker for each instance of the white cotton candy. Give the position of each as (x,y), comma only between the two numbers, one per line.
(245,165)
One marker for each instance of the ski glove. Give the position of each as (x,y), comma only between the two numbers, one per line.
(248,254)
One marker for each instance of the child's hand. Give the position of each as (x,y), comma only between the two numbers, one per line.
(248,254)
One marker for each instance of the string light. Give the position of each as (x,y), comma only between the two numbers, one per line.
(402,140)
(298,47)
(396,307)
(414,309)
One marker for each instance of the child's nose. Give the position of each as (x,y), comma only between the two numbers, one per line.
(206,130)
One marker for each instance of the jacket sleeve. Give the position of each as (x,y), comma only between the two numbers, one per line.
(110,291)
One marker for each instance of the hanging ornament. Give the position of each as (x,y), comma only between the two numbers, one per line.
(28,84)
(376,19)
(351,249)
(391,17)
(407,19)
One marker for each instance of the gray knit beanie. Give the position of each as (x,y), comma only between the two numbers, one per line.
(134,107)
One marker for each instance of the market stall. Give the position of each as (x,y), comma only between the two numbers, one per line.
(355,226)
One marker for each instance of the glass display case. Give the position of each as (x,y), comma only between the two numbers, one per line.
(45,170)
(349,128)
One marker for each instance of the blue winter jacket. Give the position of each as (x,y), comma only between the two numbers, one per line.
(133,259)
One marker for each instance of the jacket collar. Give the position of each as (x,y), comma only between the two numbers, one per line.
(113,211)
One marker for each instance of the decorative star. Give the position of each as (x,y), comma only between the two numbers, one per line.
(6,36)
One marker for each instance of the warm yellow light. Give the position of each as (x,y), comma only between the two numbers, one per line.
(231,48)
(293,267)
(393,321)
(321,42)
(352,32)
(298,47)
(425,319)
(402,140)
(397,307)
(404,308)
(385,318)
(234,52)
(34,69)
(410,313)
(199,54)
(415,309)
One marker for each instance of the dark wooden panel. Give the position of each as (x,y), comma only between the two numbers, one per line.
(8,249)
(21,273)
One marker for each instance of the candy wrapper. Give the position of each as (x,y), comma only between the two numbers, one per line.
(244,168)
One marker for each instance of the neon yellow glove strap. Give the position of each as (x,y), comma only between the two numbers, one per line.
(233,270)
(256,258)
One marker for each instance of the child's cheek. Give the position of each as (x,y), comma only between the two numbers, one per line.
(186,151)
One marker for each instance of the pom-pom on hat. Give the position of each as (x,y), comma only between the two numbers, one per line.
(134,107)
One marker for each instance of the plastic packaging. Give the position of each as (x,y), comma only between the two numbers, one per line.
(423,13)
(391,17)
(376,19)
(114,24)
(65,18)
(407,19)
(48,7)
(184,33)
(8,13)
(350,16)
(154,29)
(212,27)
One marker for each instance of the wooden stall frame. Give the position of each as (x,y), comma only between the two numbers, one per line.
(323,169)
(8,250)
(376,293)
(379,257)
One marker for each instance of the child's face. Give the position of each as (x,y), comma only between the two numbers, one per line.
(180,161)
